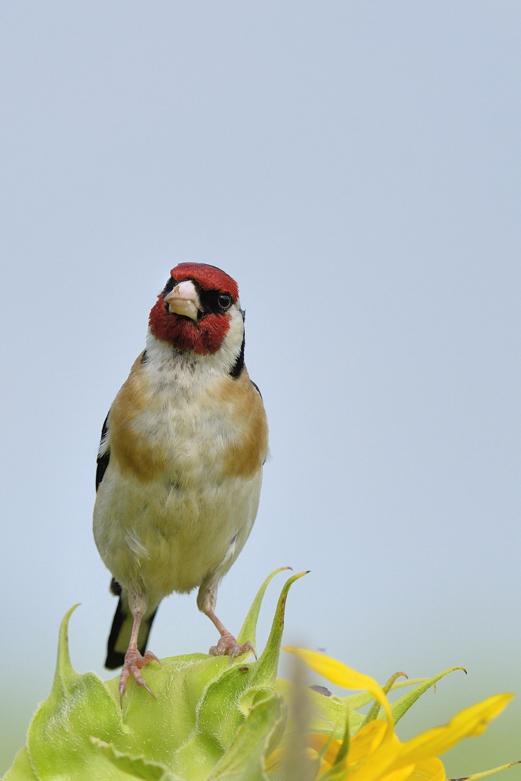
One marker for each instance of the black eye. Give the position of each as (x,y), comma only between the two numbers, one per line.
(224,300)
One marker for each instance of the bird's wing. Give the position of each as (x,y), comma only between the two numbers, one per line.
(256,388)
(103,458)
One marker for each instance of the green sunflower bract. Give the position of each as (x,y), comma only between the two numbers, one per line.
(216,721)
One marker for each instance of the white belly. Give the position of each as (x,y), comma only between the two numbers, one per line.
(168,537)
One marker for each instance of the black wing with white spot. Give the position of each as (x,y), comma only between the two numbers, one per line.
(103,458)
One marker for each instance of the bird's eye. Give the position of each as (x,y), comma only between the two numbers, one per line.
(225,300)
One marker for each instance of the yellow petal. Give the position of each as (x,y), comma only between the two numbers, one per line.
(428,770)
(468,723)
(362,746)
(366,741)
(403,774)
(344,676)
(379,765)
(274,760)
(323,743)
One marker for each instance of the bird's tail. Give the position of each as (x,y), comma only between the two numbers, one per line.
(120,632)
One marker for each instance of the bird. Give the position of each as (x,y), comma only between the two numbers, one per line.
(179,465)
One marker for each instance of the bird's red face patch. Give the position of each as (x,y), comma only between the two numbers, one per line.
(206,335)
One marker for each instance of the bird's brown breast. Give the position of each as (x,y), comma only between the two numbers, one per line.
(249,450)
(141,445)
(134,453)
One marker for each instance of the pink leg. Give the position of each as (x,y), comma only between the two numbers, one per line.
(227,644)
(134,661)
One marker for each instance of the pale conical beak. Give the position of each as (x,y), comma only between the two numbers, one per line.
(184,300)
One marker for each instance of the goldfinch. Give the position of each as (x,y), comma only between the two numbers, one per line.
(179,466)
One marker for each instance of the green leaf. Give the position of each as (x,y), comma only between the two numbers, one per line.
(357,701)
(78,706)
(202,702)
(227,699)
(21,769)
(375,710)
(256,739)
(401,706)
(161,729)
(327,715)
(138,767)
(265,673)
(249,628)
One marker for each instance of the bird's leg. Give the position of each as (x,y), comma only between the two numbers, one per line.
(227,644)
(134,661)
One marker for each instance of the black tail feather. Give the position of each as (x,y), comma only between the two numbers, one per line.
(120,635)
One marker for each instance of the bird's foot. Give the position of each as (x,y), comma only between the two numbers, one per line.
(133,664)
(228,646)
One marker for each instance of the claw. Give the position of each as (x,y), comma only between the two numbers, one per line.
(228,646)
(150,657)
(133,664)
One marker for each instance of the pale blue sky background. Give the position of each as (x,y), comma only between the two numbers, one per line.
(355,166)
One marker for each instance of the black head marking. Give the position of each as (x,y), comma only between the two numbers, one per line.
(217,302)
(169,287)
(238,366)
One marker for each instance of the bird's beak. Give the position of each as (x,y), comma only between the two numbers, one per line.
(184,300)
